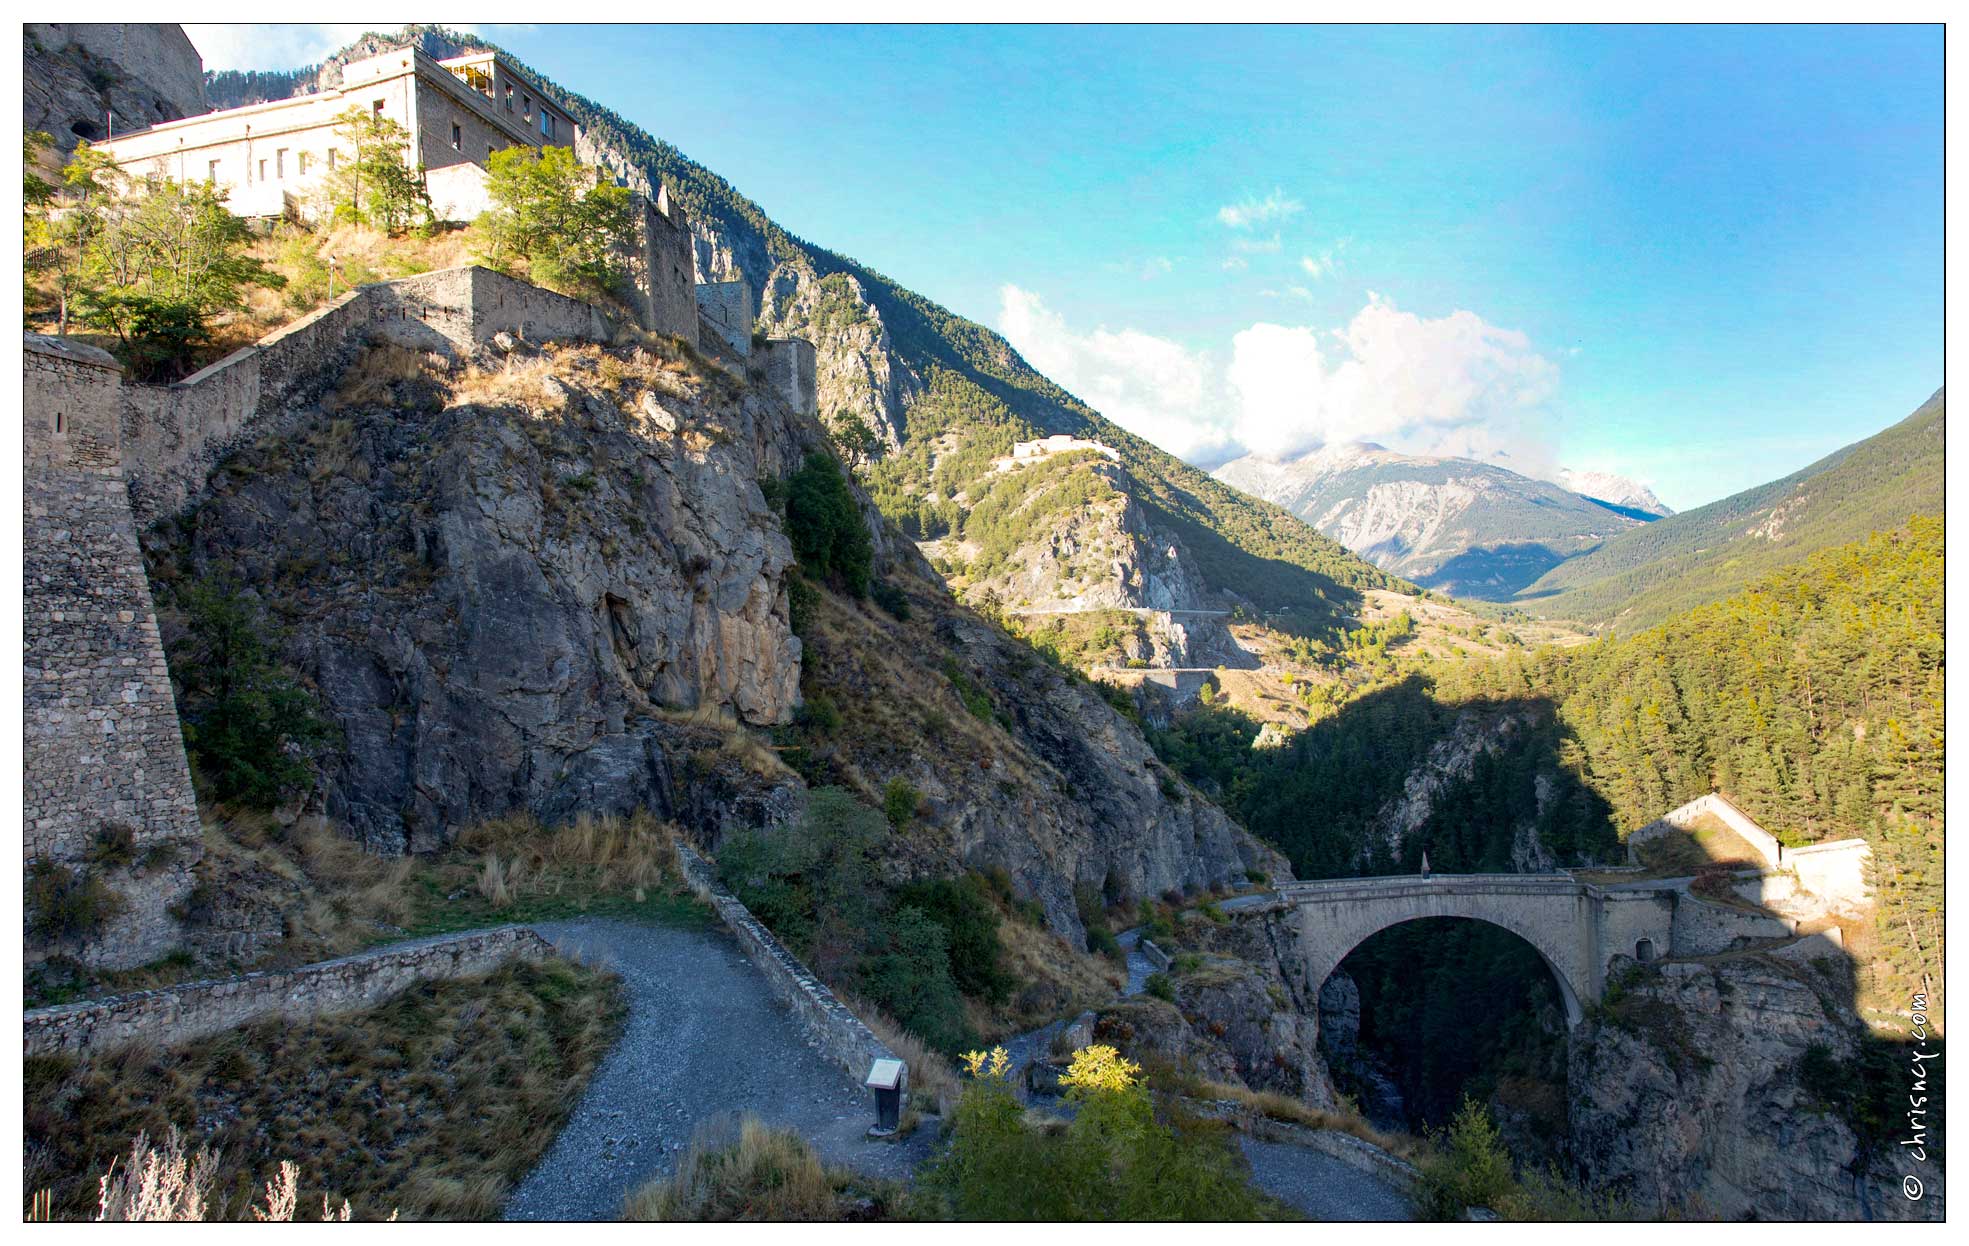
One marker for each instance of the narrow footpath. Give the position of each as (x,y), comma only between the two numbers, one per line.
(704,1037)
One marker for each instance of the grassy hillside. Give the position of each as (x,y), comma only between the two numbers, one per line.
(1641,577)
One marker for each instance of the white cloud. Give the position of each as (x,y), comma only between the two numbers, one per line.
(1236,263)
(1251,211)
(285,45)
(1451,385)
(1257,246)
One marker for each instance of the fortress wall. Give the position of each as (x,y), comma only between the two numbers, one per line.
(728,310)
(1685,816)
(1704,927)
(193,1010)
(176,434)
(790,371)
(1836,871)
(1626,918)
(101,744)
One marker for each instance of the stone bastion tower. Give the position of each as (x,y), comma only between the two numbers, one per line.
(109,819)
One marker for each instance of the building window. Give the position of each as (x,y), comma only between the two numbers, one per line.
(1644,951)
(263,169)
(280,163)
(331,160)
(489,149)
(303,164)
(509,99)
(547,123)
(211,170)
(457,137)
(526,106)
(377,108)
(61,427)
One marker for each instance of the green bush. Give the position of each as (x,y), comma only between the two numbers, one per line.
(964,908)
(891,599)
(1114,1161)
(241,712)
(1470,1168)
(1160,986)
(815,885)
(900,802)
(825,525)
(63,903)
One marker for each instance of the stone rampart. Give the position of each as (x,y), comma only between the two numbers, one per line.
(175,435)
(192,1010)
(728,311)
(1684,817)
(107,796)
(841,1034)
(790,371)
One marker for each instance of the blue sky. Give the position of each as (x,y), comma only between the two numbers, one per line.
(1701,257)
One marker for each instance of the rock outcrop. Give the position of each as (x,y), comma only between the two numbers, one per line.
(1687,1098)
(859,379)
(79,79)
(501,594)
(1241,1013)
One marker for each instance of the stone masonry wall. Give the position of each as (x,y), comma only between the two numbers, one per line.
(193,1010)
(790,364)
(175,435)
(842,1035)
(729,310)
(102,749)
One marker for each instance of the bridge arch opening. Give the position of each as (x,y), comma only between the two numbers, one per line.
(1419,1013)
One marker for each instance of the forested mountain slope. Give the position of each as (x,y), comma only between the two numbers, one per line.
(925,399)
(1641,577)
(1813,699)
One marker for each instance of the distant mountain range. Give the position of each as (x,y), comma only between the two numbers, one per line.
(1455,525)
(1640,577)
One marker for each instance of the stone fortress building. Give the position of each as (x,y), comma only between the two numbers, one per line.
(108,791)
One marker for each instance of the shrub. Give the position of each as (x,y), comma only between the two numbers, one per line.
(65,904)
(1160,986)
(801,602)
(825,525)
(1470,1168)
(248,726)
(900,802)
(964,908)
(1113,1161)
(115,846)
(753,1173)
(891,599)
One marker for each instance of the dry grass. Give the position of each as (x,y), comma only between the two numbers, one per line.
(1280,1108)
(372,378)
(433,1103)
(525,381)
(932,1081)
(749,1171)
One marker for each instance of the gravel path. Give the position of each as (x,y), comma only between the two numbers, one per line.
(1322,1187)
(704,1037)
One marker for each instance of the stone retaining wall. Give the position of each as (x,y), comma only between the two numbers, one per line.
(841,1034)
(176,1014)
(174,435)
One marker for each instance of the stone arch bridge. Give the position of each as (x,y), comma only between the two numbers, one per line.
(1578,928)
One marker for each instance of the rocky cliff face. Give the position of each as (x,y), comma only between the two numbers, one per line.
(1101,555)
(1242,1012)
(858,376)
(502,584)
(72,92)
(530,582)
(1687,1097)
